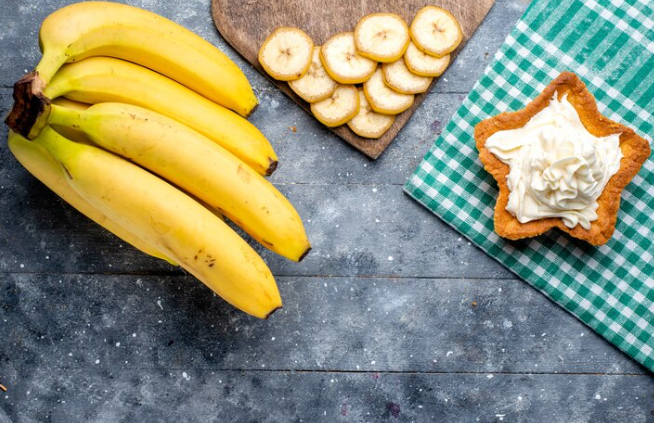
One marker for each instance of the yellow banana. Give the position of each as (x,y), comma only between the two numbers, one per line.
(105,79)
(195,164)
(92,28)
(45,168)
(73,134)
(166,217)
(79,136)
(71,104)
(111,29)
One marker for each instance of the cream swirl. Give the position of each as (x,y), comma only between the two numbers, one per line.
(557,168)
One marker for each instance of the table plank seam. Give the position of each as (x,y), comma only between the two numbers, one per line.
(307,276)
(375,372)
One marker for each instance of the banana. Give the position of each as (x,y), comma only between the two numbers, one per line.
(71,104)
(398,77)
(104,79)
(436,31)
(73,134)
(383,99)
(87,29)
(382,37)
(420,63)
(194,163)
(338,108)
(316,84)
(166,217)
(342,61)
(367,123)
(286,53)
(46,169)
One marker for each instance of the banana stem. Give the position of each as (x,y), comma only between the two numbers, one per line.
(49,65)
(65,116)
(31,107)
(61,148)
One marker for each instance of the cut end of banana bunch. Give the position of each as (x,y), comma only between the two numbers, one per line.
(382,37)
(435,31)
(316,84)
(421,63)
(399,77)
(367,123)
(342,61)
(338,108)
(286,54)
(383,99)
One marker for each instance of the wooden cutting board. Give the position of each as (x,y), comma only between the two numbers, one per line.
(245,24)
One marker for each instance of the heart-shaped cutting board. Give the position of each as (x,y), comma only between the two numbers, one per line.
(245,24)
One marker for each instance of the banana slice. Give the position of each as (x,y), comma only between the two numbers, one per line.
(382,37)
(286,53)
(399,77)
(383,99)
(435,31)
(422,64)
(338,108)
(367,123)
(343,63)
(316,84)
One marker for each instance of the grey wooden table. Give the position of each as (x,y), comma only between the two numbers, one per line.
(392,317)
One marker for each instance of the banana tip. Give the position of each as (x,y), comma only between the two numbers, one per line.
(272,167)
(271,312)
(304,254)
(254,109)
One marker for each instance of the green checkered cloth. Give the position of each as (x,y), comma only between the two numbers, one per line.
(610,45)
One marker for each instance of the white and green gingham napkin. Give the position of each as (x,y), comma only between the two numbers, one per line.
(609,44)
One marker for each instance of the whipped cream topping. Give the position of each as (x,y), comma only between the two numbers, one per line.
(558,168)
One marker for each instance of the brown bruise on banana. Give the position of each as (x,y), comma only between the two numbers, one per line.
(206,258)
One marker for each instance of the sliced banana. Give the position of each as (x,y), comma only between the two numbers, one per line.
(343,63)
(316,84)
(367,123)
(382,37)
(286,53)
(383,99)
(435,31)
(420,63)
(398,77)
(339,107)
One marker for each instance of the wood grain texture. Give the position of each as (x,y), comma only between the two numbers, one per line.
(60,293)
(185,394)
(353,228)
(246,24)
(327,323)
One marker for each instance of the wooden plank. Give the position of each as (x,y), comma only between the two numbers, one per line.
(245,25)
(352,324)
(354,230)
(186,394)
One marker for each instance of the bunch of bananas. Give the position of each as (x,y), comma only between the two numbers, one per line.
(140,125)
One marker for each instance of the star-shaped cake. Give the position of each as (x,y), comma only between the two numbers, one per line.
(559,163)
